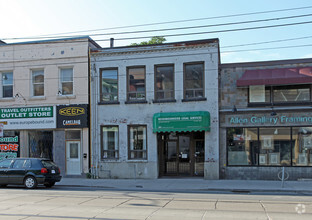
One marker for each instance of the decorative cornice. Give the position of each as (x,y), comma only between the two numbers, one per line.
(150,49)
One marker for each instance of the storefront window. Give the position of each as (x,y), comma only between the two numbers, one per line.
(269,146)
(242,145)
(302,146)
(275,146)
(41,144)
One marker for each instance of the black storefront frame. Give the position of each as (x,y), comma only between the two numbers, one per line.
(258,142)
(163,138)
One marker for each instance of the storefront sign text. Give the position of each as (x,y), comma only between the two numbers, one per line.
(42,117)
(9,147)
(72,116)
(28,112)
(270,120)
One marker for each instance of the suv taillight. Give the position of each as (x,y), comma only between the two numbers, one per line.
(44,170)
(59,170)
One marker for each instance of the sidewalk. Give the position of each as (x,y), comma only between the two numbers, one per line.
(189,184)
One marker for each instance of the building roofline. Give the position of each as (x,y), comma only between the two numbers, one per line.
(267,63)
(54,40)
(180,43)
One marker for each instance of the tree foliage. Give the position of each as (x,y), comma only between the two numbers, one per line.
(153,40)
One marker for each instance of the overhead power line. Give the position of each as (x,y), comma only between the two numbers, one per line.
(189,27)
(161,23)
(213,32)
(268,48)
(267,42)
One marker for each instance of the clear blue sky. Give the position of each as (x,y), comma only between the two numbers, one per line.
(23,18)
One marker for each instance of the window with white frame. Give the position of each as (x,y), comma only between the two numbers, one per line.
(110,146)
(66,81)
(137,142)
(38,82)
(7,84)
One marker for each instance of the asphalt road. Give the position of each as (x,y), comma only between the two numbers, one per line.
(95,203)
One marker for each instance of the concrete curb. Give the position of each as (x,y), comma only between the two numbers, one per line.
(230,190)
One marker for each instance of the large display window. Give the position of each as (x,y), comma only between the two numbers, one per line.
(302,146)
(41,144)
(278,146)
(242,146)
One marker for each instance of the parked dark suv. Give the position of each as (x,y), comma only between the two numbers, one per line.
(29,172)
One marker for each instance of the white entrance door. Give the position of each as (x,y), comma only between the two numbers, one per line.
(73,166)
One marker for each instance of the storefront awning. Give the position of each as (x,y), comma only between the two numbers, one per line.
(283,76)
(181,121)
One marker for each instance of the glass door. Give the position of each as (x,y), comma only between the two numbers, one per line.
(184,160)
(182,154)
(171,166)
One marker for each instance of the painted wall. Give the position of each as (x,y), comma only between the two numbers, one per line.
(126,114)
(50,56)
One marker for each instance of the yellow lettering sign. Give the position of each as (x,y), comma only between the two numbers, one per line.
(72,111)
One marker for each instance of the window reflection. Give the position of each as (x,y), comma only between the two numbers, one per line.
(242,146)
(275,146)
(164,82)
(136,83)
(193,81)
(302,146)
(109,85)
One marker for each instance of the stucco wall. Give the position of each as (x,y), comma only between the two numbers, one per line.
(50,56)
(127,114)
(22,58)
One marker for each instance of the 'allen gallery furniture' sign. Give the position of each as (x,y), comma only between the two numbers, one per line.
(72,116)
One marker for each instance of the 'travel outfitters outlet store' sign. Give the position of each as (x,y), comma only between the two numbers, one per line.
(267,120)
(28,118)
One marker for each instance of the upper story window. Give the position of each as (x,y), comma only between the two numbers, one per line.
(136,83)
(164,82)
(109,85)
(7,84)
(194,80)
(37,82)
(66,81)
(279,94)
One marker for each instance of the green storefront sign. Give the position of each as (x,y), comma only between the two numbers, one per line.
(26,112)
(181,121)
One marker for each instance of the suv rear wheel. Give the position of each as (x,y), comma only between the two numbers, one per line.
(30,182)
